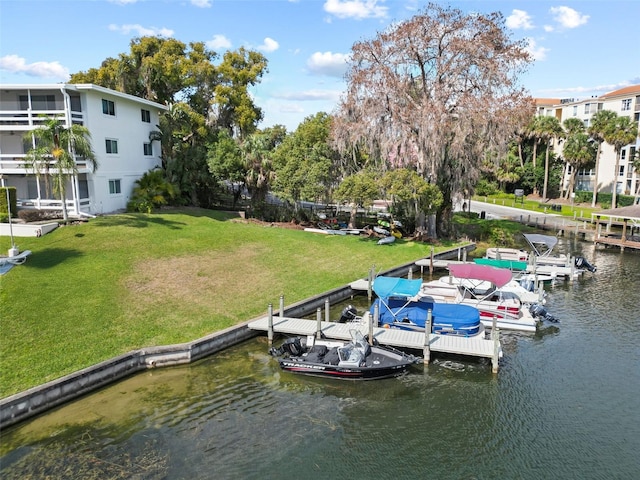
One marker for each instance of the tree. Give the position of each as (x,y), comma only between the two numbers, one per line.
(226,163)
(360,190)
(432,93)
(56,149)
(578,151)
(304,161)
(623,130)
(259,167)
(549,130)
(600,123)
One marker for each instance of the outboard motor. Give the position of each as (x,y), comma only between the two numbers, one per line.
(528,284)
(291,346)
(538,311)
(582,262)
(349,313)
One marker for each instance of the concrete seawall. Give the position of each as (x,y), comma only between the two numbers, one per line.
(24,405)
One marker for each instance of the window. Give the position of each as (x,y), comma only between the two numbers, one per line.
(587,108)
(38,102)
(626,104)
(621,172)
(575,110)
(108,107)
(146,115)
(111,146)
(623,154)
(114,187)
(148,149)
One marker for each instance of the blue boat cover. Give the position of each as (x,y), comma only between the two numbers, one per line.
(392,310)
(385,287)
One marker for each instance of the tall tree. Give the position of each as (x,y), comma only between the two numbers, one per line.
(56,149)
(600,123)
(360,190)
(577,151)
(623,131)
(550,130)
(304,161)
(433,93)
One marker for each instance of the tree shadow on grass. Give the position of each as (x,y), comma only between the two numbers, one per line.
(141,220)
(50,257)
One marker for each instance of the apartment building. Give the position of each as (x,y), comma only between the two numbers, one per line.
(120,127)
(624,102)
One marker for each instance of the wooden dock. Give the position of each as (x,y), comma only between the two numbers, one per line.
(467,346)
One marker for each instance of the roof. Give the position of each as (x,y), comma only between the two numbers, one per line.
(626,91)
(547,101)
(632,212)
(81,87)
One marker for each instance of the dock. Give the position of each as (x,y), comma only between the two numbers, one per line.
(452,344)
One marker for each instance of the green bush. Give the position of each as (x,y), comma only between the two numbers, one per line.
(486,188)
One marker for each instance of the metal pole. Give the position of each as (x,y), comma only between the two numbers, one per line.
(327,317)
(427,339)
(270,323)
(319,325)
(281,306)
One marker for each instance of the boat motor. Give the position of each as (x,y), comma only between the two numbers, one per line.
(349,313)
(582,262)
(538,311)
(291,346)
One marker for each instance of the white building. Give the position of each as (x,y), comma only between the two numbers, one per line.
(119,124)
(624,102)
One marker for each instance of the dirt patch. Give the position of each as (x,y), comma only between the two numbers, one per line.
(290,225)
(207,279)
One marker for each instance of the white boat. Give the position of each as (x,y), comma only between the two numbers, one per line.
(541,259)
(481,286)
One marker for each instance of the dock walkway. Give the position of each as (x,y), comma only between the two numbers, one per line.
(469,346)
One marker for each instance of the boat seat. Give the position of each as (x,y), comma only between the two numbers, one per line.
(350,356)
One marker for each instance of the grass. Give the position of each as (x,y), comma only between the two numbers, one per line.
(581,210)
(95,290)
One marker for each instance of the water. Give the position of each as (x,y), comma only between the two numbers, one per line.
(564,405)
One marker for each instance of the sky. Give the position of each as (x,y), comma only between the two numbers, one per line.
(581,48)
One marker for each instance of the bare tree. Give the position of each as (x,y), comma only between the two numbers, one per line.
(433,93)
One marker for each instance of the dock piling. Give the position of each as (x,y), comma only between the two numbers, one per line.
(427,339)
(327,313)
(281,306)
(319,324)
(270,324)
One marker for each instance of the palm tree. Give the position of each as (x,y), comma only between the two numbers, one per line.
(623,131)
(549,128)
(600,122)
(578,151)
(56,148)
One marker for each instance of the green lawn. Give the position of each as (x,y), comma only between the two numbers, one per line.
(581,211)
(92,291)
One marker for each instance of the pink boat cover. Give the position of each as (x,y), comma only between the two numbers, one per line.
(498,276)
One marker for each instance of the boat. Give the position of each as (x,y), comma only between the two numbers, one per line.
(541,256)
(481,286)
(397,306)
(352,360)
(387,240)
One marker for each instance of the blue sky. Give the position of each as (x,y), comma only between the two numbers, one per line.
(582,48)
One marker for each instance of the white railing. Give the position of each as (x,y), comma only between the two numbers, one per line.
(28,119)
(15,163)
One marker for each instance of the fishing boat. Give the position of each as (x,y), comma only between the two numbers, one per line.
(353,360)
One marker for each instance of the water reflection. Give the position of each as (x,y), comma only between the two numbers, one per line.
(560,407)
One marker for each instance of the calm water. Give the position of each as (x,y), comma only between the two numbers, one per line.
(564,405)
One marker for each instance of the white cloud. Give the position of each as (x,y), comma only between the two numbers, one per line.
(15,64)
(201,3)
(122,2)
(310,95)
(537,52)
(218,42)
(567,17)
(519,19)
(141,31)
(269,45)
(327,63)
(357,9)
